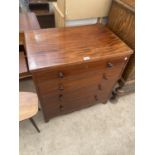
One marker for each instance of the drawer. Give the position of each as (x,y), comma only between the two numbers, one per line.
(112,65)
(69,100)
(69,85)
(82,96)
(75,81)
(73,102)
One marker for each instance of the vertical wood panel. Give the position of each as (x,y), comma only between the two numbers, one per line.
(122,22)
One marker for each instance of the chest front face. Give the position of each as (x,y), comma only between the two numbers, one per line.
(66,89)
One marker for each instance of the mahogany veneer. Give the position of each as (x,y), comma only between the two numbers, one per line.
(74,67)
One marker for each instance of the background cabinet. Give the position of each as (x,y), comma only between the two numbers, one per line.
(121,21)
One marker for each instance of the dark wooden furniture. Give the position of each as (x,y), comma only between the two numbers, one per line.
(121,21)
(74,67)
(43,12)
(39,7)
(27,22)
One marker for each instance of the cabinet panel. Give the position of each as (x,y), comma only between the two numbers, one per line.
(122,22)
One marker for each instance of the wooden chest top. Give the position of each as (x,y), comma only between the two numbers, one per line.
(72,45)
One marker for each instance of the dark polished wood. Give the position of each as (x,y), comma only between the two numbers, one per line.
(74,67)
(46,21)
(55,47)
(122,22)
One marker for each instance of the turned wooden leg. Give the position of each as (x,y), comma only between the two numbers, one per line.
(114,97)
(34,124)
(121,83)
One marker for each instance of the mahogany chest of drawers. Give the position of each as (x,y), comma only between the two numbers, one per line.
(74,67)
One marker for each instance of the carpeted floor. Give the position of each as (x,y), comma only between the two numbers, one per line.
(103,129)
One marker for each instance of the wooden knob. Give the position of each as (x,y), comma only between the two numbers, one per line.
(60,97)
(96,97)
(61,87)
(109,65)
(61,75)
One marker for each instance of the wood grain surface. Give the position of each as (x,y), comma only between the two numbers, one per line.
(64,46)
(74,67)
(121,21)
